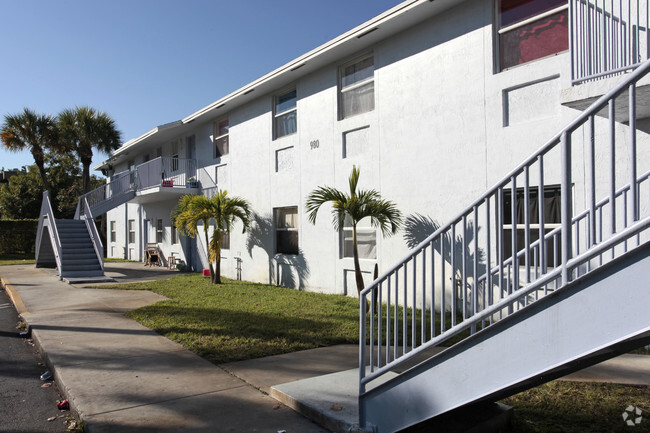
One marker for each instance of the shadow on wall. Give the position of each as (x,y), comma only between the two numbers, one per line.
(285,270)
(417,228)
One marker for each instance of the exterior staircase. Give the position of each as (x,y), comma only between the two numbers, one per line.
(460,321)
(74,246)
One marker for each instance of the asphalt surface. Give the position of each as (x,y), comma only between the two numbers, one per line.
(25,405)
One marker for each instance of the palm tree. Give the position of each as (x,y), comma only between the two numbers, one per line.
(83,129)
(30,131)
(357,205)
(223,210)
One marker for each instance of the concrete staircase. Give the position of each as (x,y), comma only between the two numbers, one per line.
(78,257)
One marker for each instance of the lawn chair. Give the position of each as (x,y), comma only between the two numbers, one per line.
(152,255)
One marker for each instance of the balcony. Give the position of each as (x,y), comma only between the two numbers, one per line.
(607,40)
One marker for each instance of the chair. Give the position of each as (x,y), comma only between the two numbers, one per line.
(172,261)
(152,255)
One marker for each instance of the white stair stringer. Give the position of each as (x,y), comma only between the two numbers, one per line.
(585,322)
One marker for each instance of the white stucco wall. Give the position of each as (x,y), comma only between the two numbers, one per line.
(445,128)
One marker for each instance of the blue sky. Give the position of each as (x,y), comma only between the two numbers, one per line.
(149,62)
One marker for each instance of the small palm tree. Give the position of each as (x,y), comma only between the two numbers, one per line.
(357,205)
(31,131)
(223,210)
(83,129)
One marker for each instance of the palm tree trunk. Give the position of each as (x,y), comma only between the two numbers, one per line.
(217,271)
(357,266)
(40,163)
(207,245)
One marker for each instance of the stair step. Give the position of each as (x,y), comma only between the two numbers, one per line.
(75,268)
(77,274)
(85,260)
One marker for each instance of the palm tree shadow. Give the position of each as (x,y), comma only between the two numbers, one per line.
(417,228)
(285,270)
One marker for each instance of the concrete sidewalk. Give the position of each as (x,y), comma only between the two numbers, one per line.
(122,377)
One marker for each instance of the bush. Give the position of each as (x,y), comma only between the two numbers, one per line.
(18,237)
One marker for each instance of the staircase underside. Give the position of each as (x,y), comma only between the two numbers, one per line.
(596,317)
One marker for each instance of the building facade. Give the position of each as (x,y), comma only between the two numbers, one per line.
(434,101)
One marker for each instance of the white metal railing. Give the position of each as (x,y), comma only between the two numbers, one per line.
(120,184)
(459,280)
(94,234)
(165,171)
(47,213)
(607,37)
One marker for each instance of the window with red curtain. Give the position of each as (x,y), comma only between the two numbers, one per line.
(524,37)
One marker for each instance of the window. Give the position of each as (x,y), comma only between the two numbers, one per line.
(286,230)
(357,87)
(225,241)
(366,239)
(175,236)
(552,219)
(113,232)
(221,142)
(159,231)
(285,114)
(131,231)
(531,29)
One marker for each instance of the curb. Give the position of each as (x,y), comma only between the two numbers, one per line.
(15,297)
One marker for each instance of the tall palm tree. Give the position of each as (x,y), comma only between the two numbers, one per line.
(355,206)
(30,131)
(83,129)
(223,210)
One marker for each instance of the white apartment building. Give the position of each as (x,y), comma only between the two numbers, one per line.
(435,101)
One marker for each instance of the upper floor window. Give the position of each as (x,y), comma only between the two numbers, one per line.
(285,114)
(531,29)
(357,87)
(221,141)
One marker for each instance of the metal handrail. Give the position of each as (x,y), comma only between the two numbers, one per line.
(94,234)
(46,212)
(443,272)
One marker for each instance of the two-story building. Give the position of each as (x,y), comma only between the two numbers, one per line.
(435,101)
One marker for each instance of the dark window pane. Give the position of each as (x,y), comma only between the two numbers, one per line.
(223,127)
(357,72)
(514,11)
(286,102)
(533,41)
(287,242)
(222,146)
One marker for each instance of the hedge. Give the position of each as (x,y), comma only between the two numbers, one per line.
(18,237)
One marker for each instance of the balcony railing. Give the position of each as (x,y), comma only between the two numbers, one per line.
(608,37)
(165,171)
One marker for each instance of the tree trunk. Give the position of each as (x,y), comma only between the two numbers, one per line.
(357,266)
(85,175)
(217,267)
(40,163)
(207,246)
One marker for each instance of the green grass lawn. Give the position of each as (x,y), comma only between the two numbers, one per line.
(241,320)
(578,407)
(16,260)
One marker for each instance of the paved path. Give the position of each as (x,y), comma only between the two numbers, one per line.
(25,406)
(121,376)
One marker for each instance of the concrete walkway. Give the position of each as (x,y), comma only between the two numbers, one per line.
(121,376)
